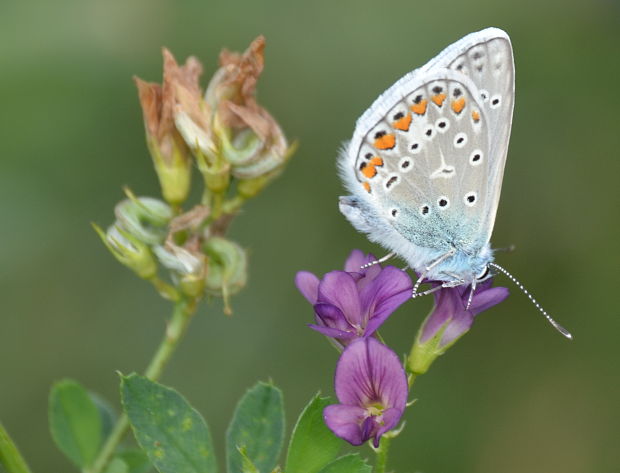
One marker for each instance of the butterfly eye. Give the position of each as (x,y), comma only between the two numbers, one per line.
(483,275)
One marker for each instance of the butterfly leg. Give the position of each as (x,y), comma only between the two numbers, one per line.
(416,286)
(378,261)
(472,289)
(443,286)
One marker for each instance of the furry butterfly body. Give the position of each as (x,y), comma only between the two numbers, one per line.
(426,160)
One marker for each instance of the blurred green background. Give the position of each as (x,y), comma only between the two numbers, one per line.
(512,396)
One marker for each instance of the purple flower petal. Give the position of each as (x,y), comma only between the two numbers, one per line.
(332,332)
(450,310)
(354,264)
(371,386)
(308,285)
(356,260)
(447,303)
(364,297)
(338,288)
(389,420)
(331,316)
(486,299)
(461,322)
(345,422)
(368,372)
(386,293)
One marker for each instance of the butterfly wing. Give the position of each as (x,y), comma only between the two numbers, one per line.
(486,58)
(421,163)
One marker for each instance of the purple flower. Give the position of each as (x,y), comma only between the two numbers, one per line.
(371,386)
(450,310)
(449,320)
(353,303)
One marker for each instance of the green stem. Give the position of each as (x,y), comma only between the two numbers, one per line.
(9,454)
(411,379)
(181,316)
(382,454)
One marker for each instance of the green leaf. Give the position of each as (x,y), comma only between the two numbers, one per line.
(352,463)
(171,432)
(106,412)
(129,461)
(136,460)
(312,444)
(10,456)
(75,422)
(117,465)
(247,466)
(258,428)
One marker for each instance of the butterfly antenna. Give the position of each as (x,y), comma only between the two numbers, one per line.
(556,325)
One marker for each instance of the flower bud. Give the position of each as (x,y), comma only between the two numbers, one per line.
(227,268)
(144,217)
(188,268)
(250,139)
(129,250)
(216,174)
(450,319)
(160,105)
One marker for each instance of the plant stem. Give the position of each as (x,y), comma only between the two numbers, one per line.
(411,378)
(382,454)
(181,316)
(9,454)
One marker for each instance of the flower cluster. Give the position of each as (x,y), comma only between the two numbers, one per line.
(353,303)
(238,148)
(371,383)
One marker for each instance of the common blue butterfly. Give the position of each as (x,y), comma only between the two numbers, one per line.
(426,162)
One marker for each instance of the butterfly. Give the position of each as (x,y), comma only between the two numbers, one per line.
(426,161)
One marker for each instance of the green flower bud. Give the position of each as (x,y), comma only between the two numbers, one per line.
(144,217)
(160,104)
(129,250)
(424,353)
(173,169)
(188,268)
(226,268)
(197,137)
(242,149)
(216,173)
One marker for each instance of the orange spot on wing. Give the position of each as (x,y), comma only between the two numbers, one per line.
(385,142)
(403,123)
(369,171)
(419,108)
(376,161)
(476,116)
(458,105)
(438,99)
(366,186)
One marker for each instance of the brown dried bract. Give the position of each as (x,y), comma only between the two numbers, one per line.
(180,88)
(234,87)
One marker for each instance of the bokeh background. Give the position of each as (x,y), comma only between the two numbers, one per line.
(511,396)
